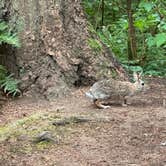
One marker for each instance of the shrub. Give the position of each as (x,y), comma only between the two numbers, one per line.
(7,82)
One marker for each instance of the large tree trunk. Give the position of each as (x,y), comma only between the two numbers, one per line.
(55,55)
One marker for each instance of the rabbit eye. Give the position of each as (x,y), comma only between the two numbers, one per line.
(142,83)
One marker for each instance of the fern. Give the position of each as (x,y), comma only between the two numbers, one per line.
(7,82)
(6,36)
(10,85)
(3,72)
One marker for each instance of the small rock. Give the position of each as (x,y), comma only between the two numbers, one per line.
(45,136)
(70,120)
(60,123)
(79,120)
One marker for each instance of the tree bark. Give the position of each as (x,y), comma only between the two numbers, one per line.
(55,54)
(102,13)
(132,48)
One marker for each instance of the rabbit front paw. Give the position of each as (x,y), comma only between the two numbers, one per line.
(124,105)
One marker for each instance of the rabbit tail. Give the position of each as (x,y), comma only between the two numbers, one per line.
(90,95)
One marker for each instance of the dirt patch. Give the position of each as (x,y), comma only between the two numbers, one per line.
(130,136)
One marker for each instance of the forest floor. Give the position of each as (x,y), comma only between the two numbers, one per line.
(72,132)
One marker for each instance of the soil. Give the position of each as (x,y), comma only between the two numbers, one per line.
(119,136)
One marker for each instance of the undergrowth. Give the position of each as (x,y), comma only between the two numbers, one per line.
(7,82)
(110,23)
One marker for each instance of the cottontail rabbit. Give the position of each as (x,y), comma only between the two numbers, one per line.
(114,89)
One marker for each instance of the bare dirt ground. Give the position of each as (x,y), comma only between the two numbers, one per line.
(119,136)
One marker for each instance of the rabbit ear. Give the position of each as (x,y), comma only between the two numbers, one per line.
(135,76)
(140,74)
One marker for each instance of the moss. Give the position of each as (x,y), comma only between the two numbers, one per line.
(21,134)
(43,145)
(34,124)
(95,45)
(21,149)
(30,126)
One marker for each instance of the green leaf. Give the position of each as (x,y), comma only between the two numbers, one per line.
(140,24)
(160,39)
(3,26)
(146,5)
(151,42)
(163,26)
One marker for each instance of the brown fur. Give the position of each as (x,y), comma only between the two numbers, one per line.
(114,89)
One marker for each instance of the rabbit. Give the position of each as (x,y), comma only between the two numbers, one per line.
(113,89)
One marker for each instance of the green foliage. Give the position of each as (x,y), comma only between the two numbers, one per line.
(6,36)
(3,72)
(8,83)
(150,26)
(131,67)
(160,39)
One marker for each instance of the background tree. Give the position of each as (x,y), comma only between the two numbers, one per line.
(132,49)
(135,30)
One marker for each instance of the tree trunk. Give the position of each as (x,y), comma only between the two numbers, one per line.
(132,49)
(102,13)
(55,55)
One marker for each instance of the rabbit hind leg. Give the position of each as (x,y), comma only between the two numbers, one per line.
(99,104)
